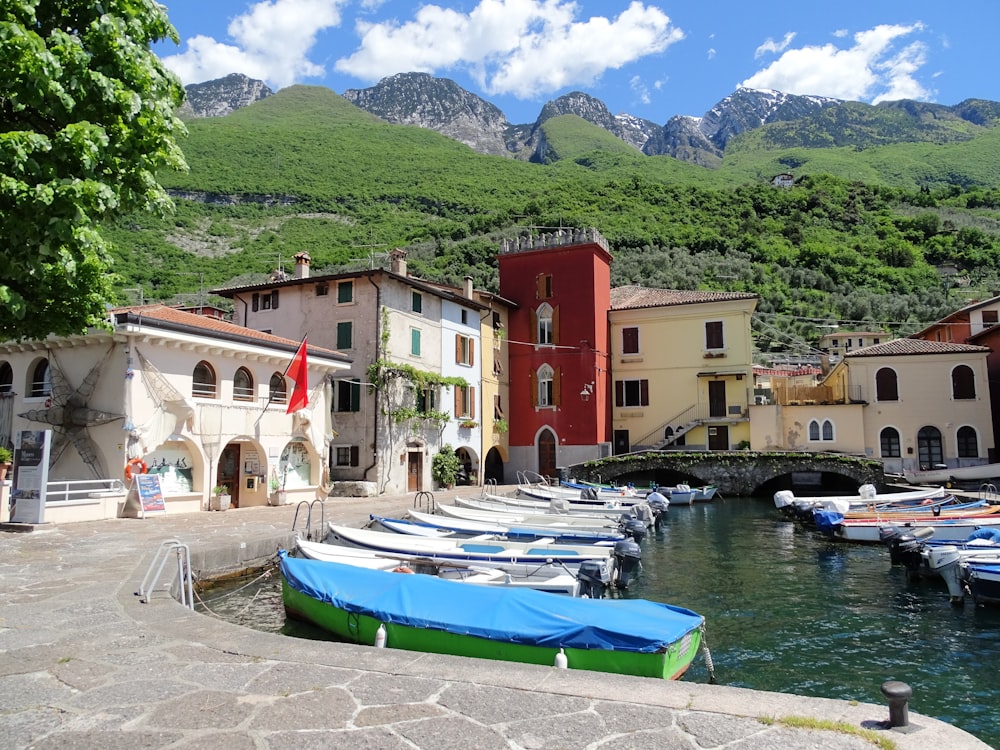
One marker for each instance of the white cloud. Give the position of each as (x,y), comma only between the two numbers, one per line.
(640,89)
(272,41)
(711,53)
(520,47)
(873,69)
(773,47)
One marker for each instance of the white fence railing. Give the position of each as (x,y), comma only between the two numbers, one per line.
(73,491)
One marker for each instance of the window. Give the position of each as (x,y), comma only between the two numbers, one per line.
(713,335)
(345,335)
(465,401)
(963,383)
(827,429)
(243,385)
(546,390)
(465,350)
(349,395)
(345,292)
(6,378)
(544,326)
(930,450)
(632,392)
(346,455)
(426,399)
(990,318)
(322,289)
(886,388)
(268,301)
(277,392)
(465,317)
(543,286)
(820,431)
(630,340)
(204,381)
(417,302)
(415,342)
(497,407)
(889,443)
(968,444)
(41,380)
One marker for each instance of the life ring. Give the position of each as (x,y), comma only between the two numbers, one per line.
(402,569)
(132,466)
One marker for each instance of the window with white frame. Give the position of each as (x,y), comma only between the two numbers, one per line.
(465,350)
(346,455)
(546,393)
(821,431)
(544,333)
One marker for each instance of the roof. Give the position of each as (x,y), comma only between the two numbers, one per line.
(162,316)
(629,297)
(788,372)
(911,347)
(962,314)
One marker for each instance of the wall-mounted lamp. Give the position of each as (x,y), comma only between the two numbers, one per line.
(586,391)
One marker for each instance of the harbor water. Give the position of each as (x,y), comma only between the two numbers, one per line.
(787,611)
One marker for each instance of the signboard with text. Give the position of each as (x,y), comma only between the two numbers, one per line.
(144,496)
(31,475)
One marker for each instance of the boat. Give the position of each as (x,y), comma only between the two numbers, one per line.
(705,493)
(868,497)
(423,613)
(982,580)
(527,532)
(874,530)
(527,516)
(524,504)
(552,578)
(680,494)
(946,475)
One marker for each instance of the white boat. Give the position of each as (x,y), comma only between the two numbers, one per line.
(680,494)
(530,505)
(556,579)
(867,498)
(979,473)
(870,530)
(519,531)
(529,517)
(705,493)
(946,559)
(982,580)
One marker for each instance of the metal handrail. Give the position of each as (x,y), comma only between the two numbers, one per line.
(183,554)
(309,508)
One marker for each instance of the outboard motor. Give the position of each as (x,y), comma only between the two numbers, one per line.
(642,512)
(594,578)
(558,505)
(589,494)
(627,560)
(905,546)
(784,501)
(635,529)
(659,504)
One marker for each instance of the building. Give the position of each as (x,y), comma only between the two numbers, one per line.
(682,368)
(838,343)
(196,400)
(559,286)
(415,383)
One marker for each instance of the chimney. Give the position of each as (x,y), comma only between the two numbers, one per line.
(302,261)
(468,288)
(397,261)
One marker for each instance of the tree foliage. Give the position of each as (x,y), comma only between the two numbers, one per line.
(86,122)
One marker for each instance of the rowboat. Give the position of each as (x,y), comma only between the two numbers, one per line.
(867,497)
(979,473)
(529,517)
(523,504)
(423,613)
(873,530)
(525,532)
(553,578)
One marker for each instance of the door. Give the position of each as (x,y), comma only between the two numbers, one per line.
(716,398)
(229,472)
(547,454)
(622,444)
(414,471)
(718,438)
(930,452)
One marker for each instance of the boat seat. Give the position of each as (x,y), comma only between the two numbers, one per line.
(483,548)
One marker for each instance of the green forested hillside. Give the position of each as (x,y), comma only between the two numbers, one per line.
(858,238)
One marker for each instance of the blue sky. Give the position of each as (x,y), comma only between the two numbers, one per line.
(651,59)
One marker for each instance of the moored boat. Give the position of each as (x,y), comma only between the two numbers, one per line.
(422,613)
(526,532)
(873,530)
(866,499)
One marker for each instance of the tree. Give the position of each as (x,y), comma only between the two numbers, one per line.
(86,120)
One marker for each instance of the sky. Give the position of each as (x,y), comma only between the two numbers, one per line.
(651,59)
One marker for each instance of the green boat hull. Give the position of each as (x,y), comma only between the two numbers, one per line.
(669,664)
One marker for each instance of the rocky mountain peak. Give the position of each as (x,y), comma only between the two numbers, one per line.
(221,96)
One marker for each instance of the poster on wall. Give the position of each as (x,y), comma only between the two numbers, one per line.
(31,475)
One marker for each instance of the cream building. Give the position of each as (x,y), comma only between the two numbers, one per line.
(681,365)
(195,400)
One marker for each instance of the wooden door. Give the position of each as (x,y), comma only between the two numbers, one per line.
(718,438)
(229,472)
(414,471)
(716,398)
(547,454)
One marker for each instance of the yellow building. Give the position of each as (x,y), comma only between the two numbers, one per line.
(682,368)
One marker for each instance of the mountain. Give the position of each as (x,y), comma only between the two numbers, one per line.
(220,97)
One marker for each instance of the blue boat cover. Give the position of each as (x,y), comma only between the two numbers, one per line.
(827,520)
(523,616)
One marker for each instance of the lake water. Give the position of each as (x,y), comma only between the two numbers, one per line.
(788,611)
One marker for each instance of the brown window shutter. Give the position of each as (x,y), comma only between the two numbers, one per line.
(354,455)
(472,351)
(555,325)
(619,393)
(557,387)
(458,400)
(534,326)
(540,286)
(458,347)
(534,388)
(644,392)
(472,402)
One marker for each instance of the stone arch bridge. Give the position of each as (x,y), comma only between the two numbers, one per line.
(734,472)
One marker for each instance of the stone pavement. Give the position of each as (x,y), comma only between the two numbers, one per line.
(85,664)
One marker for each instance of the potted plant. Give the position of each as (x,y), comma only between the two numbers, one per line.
(6,457)
(278,495)
(445,466)
(220,497)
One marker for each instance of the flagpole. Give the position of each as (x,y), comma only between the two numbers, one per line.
(270,395)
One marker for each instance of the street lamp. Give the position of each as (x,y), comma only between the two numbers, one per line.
(586,391)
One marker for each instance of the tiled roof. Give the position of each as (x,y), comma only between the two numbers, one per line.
(209,326)
(625,297)
(909,347)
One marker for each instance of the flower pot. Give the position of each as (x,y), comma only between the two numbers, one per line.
(278,497)
(220,502)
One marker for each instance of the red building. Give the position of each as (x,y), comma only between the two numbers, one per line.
(557,348)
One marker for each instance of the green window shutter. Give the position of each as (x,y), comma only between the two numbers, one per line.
(344,331)
(345,291)
(415,342)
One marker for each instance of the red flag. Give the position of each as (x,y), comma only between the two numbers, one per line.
(298,371)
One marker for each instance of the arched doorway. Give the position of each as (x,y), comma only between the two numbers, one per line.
(929,448)
(493,466)
(547,453)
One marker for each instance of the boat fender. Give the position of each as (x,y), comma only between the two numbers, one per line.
(135,466)
(401,569)
(561,661)
(380,636)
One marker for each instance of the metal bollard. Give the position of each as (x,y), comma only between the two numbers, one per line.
(898,695)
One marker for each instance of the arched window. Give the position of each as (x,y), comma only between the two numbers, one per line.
(546,394)
(545,324)
(886,387)
(929,450)
(889,443)
(243,385)
(277,391)
(963,382)
(968,443)
(40,384)
(6,378)
(820,431)
(813,429)
(827,430)
(204,385)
